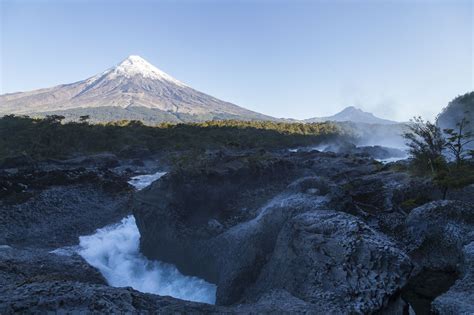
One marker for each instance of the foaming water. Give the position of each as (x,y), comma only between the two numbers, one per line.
(142,181)
(392,159)
(114,250)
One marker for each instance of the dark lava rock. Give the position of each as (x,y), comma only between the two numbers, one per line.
(385,198)
(375,152)
(134,152)
(17,186)
(20,266)
(439,231)
(220,223)
(441,244)
(229,258)
(459,299)
(255,223)
(56,216)
(17,161)
(70,297)
(106,160)
(463,194)
(35,281)
(225,223)
(390,191)
(50,207)
(335,263)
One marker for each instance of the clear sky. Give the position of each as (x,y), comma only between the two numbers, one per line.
(283,58)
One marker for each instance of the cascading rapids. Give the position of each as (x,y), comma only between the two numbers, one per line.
(114,251)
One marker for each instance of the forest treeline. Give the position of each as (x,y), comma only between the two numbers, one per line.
(50,137)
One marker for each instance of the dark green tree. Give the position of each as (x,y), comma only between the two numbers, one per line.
(54,119)
(458,139)
(425,144)
(84,118)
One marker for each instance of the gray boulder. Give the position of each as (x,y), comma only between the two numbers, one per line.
(56,216)
(441,244)
(438,232)
(19,266)
(335,263)
(459,299)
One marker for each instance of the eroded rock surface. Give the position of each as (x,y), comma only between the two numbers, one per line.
(441,238)
(335,263)
(244,252)
(459,299)
(51,208)
(304,232)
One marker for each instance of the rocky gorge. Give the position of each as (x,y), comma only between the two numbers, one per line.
(275,231)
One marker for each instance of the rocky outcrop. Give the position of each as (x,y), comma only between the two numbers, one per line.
(53,202)
(19,266)
(36,281)
(213,225)
(71,297)
(232,223)
(465,194)
(219,221)
(304,232)
(375,152)
(441,237)
(386,191)
(335,263)
(459,299)
(56,216)
(85,298)
(438,233)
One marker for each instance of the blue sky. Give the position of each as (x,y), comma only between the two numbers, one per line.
(283,58)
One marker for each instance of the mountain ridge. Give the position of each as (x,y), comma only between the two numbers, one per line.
(134,89)
(353,114)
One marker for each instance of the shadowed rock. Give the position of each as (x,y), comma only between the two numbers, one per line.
(335,263)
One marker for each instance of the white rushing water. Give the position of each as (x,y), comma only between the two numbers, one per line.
(142,181)
(390,160)
(114,251)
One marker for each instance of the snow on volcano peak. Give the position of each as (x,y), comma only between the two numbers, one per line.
(136,65)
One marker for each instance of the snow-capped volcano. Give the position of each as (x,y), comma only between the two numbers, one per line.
(136,65)
(133,89)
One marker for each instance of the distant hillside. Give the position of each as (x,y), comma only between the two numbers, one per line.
(149,116)
(456,110)
(353,114)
